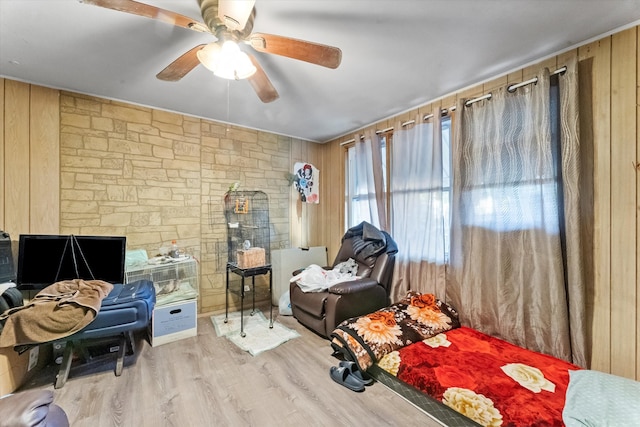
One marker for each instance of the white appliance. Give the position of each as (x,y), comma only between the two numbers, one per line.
(285,261)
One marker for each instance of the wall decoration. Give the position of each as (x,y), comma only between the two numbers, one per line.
(306,181)
(242,206)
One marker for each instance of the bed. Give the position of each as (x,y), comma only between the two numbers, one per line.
(461,376)
(486,379)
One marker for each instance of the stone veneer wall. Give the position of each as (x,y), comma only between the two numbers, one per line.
(156,176)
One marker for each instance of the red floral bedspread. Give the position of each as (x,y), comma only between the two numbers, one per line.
(489,380)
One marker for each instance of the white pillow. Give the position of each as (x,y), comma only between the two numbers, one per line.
(598,399)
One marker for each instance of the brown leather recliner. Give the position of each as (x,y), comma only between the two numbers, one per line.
(374,251)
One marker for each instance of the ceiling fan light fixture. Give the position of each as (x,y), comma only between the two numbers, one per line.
(226,61)
(235,64)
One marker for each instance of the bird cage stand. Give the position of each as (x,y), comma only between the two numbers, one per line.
(248,247)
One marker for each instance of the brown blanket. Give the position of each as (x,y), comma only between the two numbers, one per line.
(57,311)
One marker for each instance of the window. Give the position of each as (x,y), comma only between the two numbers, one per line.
(510,192)
(357,195)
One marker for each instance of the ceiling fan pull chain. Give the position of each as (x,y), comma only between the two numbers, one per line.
(228,104)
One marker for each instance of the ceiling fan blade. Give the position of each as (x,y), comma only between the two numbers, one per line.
(152,12)
(235,13)
(181,66)
(261,83)
(315,53)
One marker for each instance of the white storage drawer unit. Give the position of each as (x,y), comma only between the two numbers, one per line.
(173,322)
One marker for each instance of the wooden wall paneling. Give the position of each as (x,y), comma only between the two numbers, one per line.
(623,203)
(534,70)
(44,164)
(301,208)
(385,124)
(429,109)
(404,117)
(334,157)
(309,226)
(312,226)
(448,102)
(2,177)
(333,212)
(637,171)
(307,209)
(561,60)
(16,160)
(515,77)
(315,225)
(471,93)
(295,207)
(468,94)
(600,54)
(335,225)
(495,84)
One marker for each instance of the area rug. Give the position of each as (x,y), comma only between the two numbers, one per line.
(259,337)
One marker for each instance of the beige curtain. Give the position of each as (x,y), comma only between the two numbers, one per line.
(573,179)
(515,240)
(417,208)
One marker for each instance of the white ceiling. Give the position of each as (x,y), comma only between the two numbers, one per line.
(396,54)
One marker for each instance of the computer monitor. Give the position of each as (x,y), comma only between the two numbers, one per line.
(45,259)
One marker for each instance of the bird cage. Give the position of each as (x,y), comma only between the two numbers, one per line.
(247,216)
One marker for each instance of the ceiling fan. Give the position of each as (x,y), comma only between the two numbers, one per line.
(231,22)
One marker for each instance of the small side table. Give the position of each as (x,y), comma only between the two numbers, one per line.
(247,272)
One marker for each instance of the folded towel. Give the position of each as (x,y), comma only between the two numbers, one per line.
(57,311)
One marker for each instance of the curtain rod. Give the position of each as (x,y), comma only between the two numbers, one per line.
(512,88)
(446,111)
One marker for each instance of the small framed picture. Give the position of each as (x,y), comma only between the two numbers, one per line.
(242,206)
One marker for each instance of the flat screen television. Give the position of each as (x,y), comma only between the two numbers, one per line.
(44,259)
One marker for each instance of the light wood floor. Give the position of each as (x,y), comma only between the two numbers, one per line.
(208,381)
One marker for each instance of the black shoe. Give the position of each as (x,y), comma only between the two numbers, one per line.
(344,377)
(355,371)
